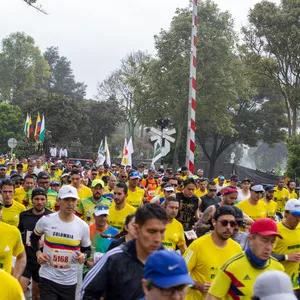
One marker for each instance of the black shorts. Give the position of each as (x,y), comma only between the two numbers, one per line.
(50,290)
(32,271)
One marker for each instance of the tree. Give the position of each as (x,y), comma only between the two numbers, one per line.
(22,68)
(62,80)
(11,124)
(293,147)
(272,46)
(127,86)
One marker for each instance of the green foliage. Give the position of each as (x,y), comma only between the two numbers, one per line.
(62,81)
(22,67)
(293,166)
(272,45)
(11,124)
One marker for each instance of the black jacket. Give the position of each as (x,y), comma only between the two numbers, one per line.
(117,275)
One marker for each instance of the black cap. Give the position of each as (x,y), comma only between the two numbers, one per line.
(38,191)
(15,177)
(269,188)
(239,216)
(184,168)
(169,170)
(246,179)
(43,175)
(141,165)
(234,177)
(224,210)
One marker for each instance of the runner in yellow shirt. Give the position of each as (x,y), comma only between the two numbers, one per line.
(252,207)
(268,200)
(120,209)
(200,187)
(287,249)
(174,234)
(236,277)
(11,209)
(291,185)
(11,245)
(207,254)
(281,195)
(135,195)
(10,287)
(76,181)
(20,193)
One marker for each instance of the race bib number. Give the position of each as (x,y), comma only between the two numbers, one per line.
(151,193)
(28,243)
(191,235)
(61,259)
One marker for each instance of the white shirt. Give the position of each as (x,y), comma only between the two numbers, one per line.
(241,196)
(61,242)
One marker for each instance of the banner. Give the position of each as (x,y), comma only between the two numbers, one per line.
(107,154)
(101,155)
(43,130)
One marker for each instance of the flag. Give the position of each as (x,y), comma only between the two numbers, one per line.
(101,155)
(43,130)
(30,127)
(26,127)
(156,154)
(130,151)
(107,154)
(124,161)
(37,127)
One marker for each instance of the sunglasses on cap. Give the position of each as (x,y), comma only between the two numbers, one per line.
(226,222)
(134,174)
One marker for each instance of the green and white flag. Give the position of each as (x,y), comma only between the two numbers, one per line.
(157,153)
(26,127)
(101,155)
(43,130)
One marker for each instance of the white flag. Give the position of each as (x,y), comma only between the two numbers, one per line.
(107,154)
(124,161)
(101,155)
(130,151)
(156,154)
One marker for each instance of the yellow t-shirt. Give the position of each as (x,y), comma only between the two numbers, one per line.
(84,192)
(281,197)
(135,199)
(11,215)
(235,279)
(174,235)
(199,193)
(203,260)
(271,207)
(293,195)
(288,244)
(54,177)
(117,218)
(19,195)
(10,287)
(10,245)
(255,212)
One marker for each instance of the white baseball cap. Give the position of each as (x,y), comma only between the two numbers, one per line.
(101,209)
(257,188)
(68,191)
(293,205)
(273,285)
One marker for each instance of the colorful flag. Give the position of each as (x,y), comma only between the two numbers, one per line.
(30,128)
(37,127)
(101,155)
(43,130)
(124,161)
(156,154)
(130,151)
(107,154)
(26,128)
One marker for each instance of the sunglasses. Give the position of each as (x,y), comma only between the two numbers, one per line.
(134,174)
(212,190)
(226,222)
(240,223)
(123,176)
(260,192)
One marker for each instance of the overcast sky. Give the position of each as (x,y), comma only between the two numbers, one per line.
(96,34)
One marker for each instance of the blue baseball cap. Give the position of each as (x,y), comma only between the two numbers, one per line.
(167,269)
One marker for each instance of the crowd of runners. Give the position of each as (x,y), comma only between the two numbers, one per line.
(69,231)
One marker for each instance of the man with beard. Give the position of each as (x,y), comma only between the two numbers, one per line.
(205,255)
(86,206)
(174,235)
(28,219)
(269,201)
(205,222)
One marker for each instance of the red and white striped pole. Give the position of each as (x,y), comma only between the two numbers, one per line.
(190,145)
